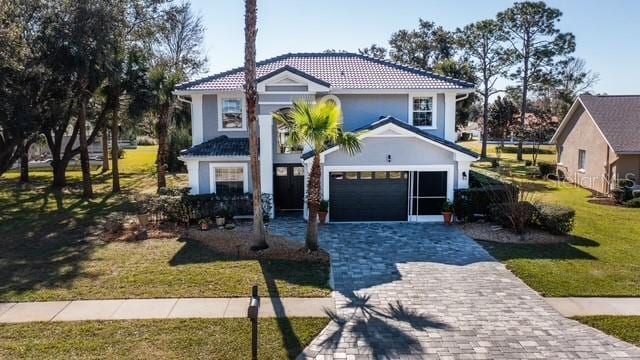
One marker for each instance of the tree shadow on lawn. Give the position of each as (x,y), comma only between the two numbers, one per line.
(562,251)
(45,247)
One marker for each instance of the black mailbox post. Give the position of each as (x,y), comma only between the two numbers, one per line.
(252,314)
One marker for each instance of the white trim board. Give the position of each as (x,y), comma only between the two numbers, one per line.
(212,174)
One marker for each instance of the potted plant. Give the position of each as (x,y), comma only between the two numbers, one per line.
(447,212)
(323,210)
(204,224)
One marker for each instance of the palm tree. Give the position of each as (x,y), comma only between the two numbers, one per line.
(318,126)
(250,30)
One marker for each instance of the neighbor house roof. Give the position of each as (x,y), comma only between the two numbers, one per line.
(219,146)
(391,120)
(340,70)
(617,117)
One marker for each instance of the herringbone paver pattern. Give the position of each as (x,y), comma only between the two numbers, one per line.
(424,291)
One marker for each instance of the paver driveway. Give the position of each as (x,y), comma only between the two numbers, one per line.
(426,291)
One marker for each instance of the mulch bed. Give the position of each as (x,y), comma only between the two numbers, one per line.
(491,232)
(237,242)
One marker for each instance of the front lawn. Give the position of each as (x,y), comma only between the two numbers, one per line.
(625,328)
(158,339)
(45,255)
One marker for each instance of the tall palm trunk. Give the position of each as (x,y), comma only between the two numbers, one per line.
(105,150)
(250,30)
(163,143)
(87,190)
(115,173)
(313,202)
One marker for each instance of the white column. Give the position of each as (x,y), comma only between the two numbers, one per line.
(193,167)
(265,123)
(450,116)
(463,174)
(197,121)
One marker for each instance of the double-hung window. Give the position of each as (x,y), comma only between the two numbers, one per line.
(231,114)
(229,180)
(422,111)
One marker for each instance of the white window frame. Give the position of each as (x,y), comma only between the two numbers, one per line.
(581,167)
(237,96)
(212,174)
(434,109)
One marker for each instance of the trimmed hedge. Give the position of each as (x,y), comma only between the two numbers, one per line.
(622,194)
(634,203)
(555,219)
(525,150)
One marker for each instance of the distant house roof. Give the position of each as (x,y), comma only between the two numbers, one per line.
(219,146)
(617,117)
(340,70)
(391,120)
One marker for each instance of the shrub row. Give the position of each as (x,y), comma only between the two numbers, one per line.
(476,200)
(525,150)
(518,216)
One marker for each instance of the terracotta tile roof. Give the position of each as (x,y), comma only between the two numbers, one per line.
(618,116)
(219,146)
(340,70)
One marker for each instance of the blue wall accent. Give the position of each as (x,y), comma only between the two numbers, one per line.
(363,109)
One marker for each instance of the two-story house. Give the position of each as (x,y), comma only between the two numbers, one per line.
(409,163)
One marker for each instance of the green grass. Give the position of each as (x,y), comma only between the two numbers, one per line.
(44,256)
(625,328)
(602,259)
(157,339)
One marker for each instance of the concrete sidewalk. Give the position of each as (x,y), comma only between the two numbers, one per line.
(587,306)
(160,309)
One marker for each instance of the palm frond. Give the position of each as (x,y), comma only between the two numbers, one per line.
(349,142)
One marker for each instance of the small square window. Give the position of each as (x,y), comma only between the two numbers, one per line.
(352,175)
(281,171)
(380,174)
(298,171)
(337,175)
(366,175)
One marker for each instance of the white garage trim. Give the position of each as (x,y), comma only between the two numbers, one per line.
(327,170)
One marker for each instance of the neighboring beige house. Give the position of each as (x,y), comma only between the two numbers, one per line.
(598,141)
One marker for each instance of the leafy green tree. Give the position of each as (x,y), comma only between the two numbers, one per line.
(374,51)
(532,31)
(422,47)
(318,126)
(502,118)
(177,56)
(483,44)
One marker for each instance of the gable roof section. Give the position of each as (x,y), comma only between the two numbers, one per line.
(341,70)
(417,131)
(616,116)
(219,146)
(292,70)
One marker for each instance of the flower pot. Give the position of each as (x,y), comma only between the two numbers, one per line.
(204,227)
(322,217)
(220,221)
(448,217)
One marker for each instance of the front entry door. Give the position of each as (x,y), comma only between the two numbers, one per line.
(289,186)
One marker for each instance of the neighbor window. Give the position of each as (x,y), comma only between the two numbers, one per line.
(582,159)
(229,180)
(231,114)
(422,111)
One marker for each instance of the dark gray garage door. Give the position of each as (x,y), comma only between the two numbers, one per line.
(368,196)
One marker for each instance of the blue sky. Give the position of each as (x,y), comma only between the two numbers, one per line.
(607,32)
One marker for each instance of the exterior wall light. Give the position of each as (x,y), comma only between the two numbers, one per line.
(464,175)
(389,158)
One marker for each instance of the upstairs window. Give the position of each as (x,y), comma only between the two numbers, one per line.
(231,114)
(422,111)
